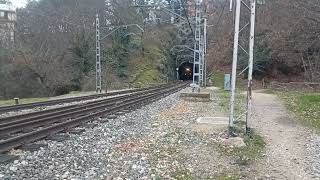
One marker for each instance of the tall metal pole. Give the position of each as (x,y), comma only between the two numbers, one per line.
(205,35)
(98,56)
(234,64)
(197,45)
(205,52)
(201,57)
(251,53)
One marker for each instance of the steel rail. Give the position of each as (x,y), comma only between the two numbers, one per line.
(4,109)
(17,141)
(12,119)
(58,116)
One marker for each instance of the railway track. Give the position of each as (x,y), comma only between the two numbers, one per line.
(23,129)
(4,109)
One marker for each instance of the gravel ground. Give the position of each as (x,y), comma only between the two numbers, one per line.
(159,140)
(163,140)
(314,155)
(287,156)
(92,154)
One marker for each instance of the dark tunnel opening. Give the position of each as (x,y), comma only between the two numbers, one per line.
(186,71)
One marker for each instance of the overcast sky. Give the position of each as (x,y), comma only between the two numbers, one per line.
(19,3)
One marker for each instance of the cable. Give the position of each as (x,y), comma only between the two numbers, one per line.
(185,13)
(220,16)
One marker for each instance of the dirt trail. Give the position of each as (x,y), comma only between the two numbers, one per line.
(285,156)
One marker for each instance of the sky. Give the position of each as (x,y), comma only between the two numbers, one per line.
(19,3)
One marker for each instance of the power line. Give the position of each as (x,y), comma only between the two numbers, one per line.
(187,17)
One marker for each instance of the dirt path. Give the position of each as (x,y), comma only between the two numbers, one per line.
(285,156)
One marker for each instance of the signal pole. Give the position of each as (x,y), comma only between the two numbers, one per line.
(98,56)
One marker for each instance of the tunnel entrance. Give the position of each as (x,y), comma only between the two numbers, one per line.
(186,71)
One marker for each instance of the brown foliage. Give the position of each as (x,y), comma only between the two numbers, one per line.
(290,28)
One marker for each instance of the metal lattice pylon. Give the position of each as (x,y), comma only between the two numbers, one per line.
(252,9)
(197,59)
(98,56)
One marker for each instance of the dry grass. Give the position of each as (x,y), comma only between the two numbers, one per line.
(305,105)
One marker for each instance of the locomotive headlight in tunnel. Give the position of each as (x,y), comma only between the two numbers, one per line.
(186,71)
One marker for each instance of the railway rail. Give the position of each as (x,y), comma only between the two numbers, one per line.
(23,129)
(4,109)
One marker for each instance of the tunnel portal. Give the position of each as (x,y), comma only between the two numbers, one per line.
(186,71)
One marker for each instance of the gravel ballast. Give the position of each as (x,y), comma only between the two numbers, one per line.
(164,141)
(91,154)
